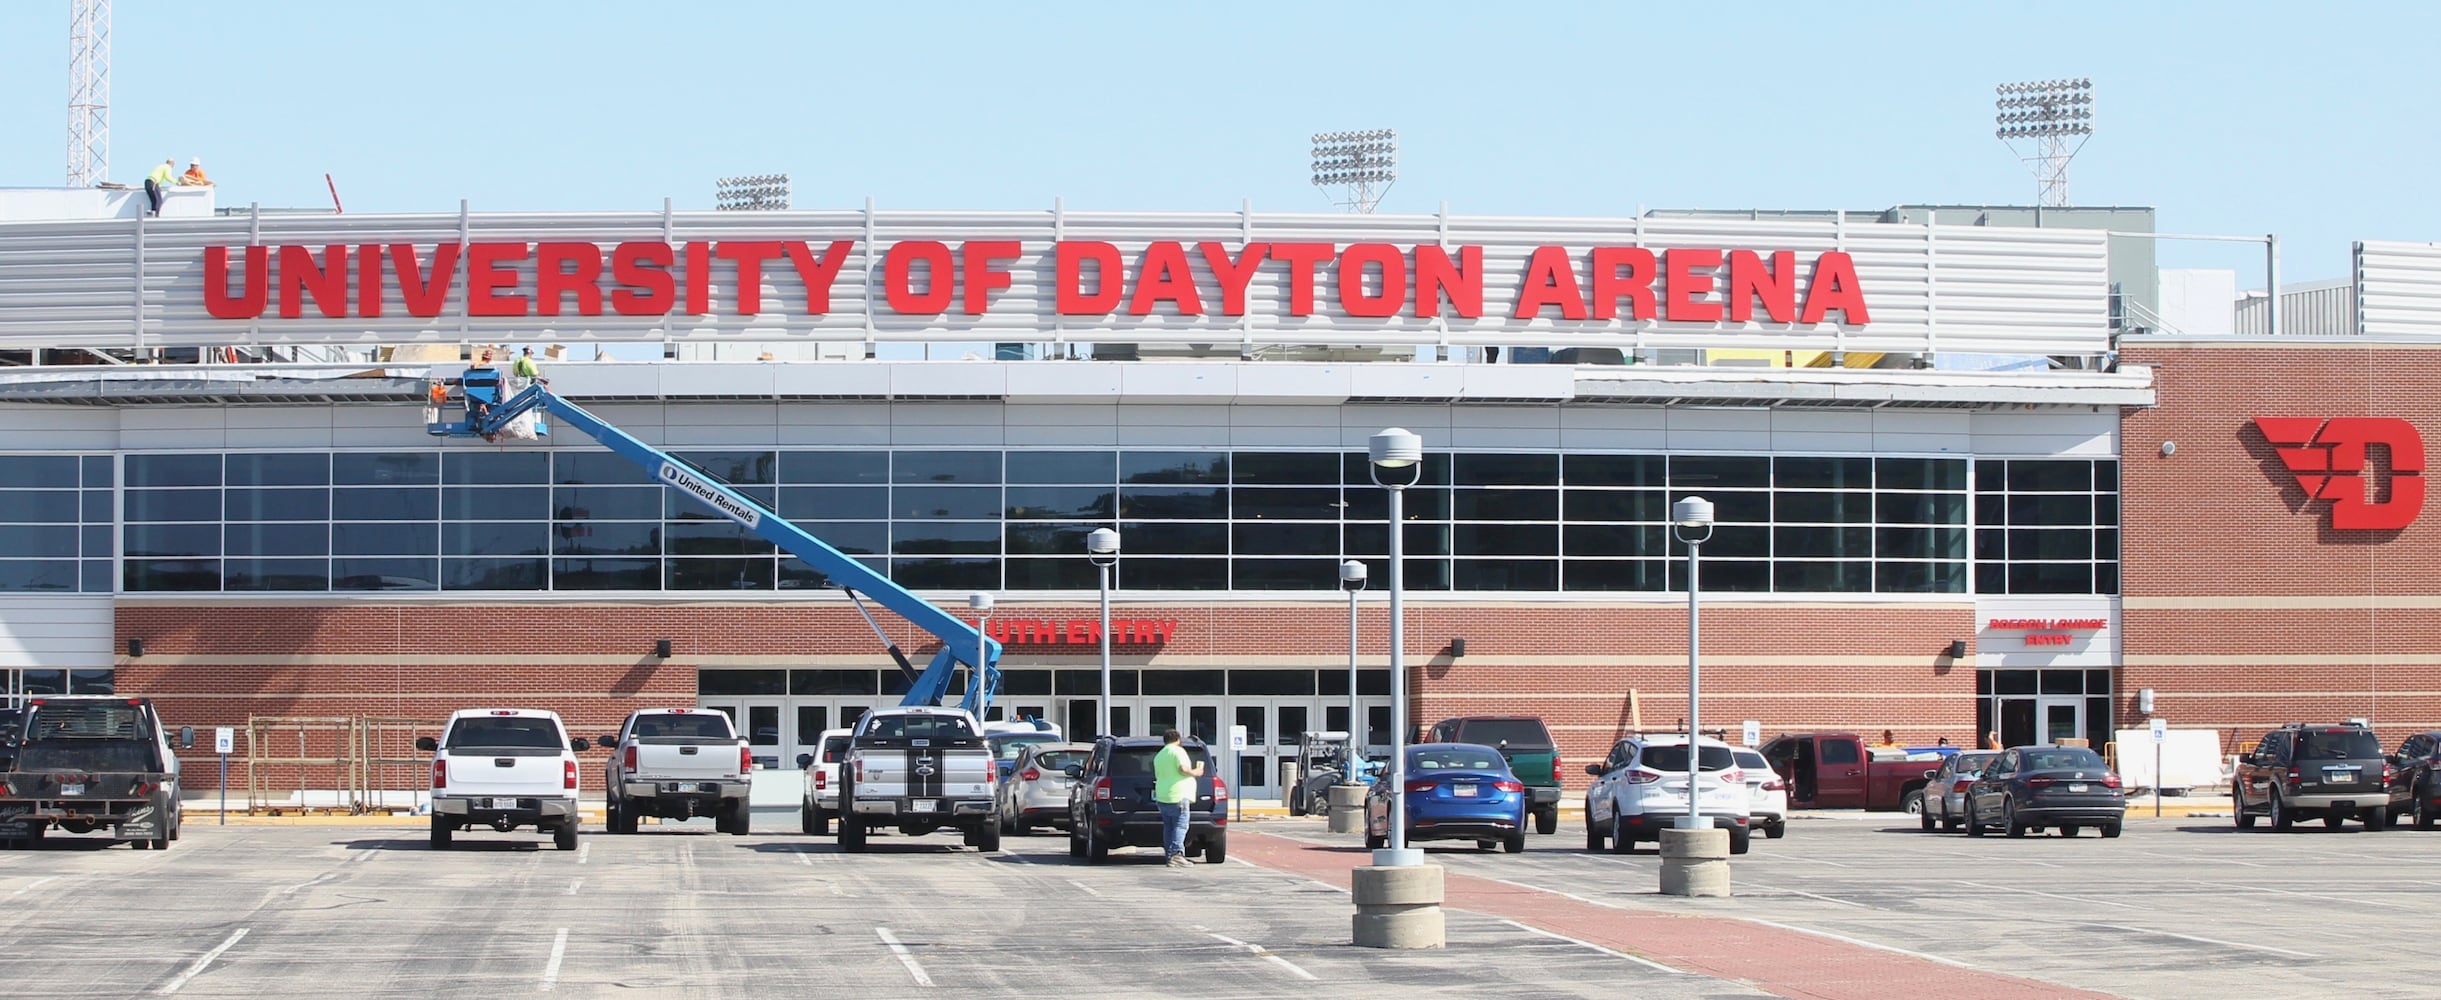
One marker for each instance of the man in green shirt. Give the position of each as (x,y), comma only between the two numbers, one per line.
(159,181)
(1174,775)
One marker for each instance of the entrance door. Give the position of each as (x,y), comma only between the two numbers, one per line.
(766,730)
(2063,719)
(2041,719)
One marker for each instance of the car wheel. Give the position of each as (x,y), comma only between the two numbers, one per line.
(1076,842)
(2008,819)
(1974,820)
(1593,830)
(741,818)
(1777,829)
(2237,810)
(2331,821)
(1096,851)
(2378,818)
(805,818)
(1547,820)
(441,834)
(1374,843)
(2280,818)
(2071,831)
(1924,816)
(987,839)
(1515,844)
(2110,830)
(564,836)
(1913,801)
(1216,849)
(1621,841)
(1296,801)
(2424,809)
(1740,840)
(851,833)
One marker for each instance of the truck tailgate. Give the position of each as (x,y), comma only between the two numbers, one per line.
(506,776)
(66,785)
(924,773)
(658,760)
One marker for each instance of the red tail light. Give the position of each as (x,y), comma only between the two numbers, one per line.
(2388,773)
(822,780)
(2295,776)
(567,772)
(440,775)
(1775,785)
(1734,776)
(1511,787)
(860,770)
(745,760)
(1959,784)
(2110,781)
(1220,790)
(1422,786)
(1101,789)
(1557,768)
(1642,777)
(1029,774)
(627,757)
(2038,784)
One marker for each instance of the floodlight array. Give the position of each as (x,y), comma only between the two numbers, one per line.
(1363,157)
(753,192)
(2044,109)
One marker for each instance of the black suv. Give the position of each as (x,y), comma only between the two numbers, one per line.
(2415,779)
(2300,771)
(1112,804)
(1533,756)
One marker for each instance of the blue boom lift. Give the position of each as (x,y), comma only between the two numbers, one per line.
(486,403)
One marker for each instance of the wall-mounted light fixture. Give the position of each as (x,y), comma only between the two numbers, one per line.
(135,647)
(1957,649)
(661,648)
(1457,647)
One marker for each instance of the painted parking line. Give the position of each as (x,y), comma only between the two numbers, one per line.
(1752,884)
(584,852)
(2047,895)
(574,886)
(1089,890)
(905,957)
(2205,940)
(550,969)
(1266,955)
(1858,942)
(309,883)
(33,885)
(196,969)
(2312,895)
(1614,953)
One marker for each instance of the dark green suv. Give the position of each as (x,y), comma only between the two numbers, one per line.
(1531,753)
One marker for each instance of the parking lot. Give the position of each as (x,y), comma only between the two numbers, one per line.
(2176,908)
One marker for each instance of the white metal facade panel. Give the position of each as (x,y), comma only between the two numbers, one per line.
(56,632)
(1928,287)
(2007,647)
(2398,290)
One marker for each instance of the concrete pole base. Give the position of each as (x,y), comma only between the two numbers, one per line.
(1347,808)
(1695,862)
(1398,907)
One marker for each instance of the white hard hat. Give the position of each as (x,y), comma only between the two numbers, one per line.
(194,161)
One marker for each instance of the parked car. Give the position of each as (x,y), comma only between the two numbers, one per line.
(2031,789)
(1112,803)
(917,769)
(2299,771)
(2415,788)
(821,803)
(1838,771)
(1454,791)
(1006,738)
(1945,788)
(94,762)
(677,763)
(1641,789)
(1533,756)
(1036,790)
(1766,794)
(503,768)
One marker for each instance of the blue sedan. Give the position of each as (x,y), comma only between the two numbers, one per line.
(1455,791)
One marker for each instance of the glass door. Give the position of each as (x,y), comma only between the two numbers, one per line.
(2063,719)
(765,729)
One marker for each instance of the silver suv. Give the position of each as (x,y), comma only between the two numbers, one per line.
(1641,790)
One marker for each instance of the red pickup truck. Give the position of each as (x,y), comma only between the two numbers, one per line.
(1837,771)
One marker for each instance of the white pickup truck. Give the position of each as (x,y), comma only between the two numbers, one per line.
(822,781)
(678,763)
(503,768)
(917,769)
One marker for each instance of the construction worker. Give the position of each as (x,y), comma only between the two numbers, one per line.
(159,181)
(525,366)
(194,174)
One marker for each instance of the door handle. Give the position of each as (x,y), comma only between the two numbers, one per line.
(1853,773)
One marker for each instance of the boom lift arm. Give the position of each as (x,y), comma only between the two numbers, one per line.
(485,404)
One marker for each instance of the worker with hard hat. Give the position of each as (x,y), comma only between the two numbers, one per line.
(194,174)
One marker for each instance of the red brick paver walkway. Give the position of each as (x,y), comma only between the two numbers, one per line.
(1787,962)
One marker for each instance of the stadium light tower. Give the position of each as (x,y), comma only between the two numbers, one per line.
(1356,162)
(88,92)
(751,193)
(2047,112)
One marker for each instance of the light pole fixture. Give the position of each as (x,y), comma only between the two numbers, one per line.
(2048,112)
(1352,580)
(751,193)
(1102,546)
(1395,455)
(1356,161)
(1691,521)
(982,604)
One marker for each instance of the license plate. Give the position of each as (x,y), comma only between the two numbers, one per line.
(2339,777)
(708,786)
(75,789)
(1465,791)
(2076,788)
(925,805)
(503,803)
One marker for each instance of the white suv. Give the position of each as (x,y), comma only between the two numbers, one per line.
(503,768)
(1641,790)
(1766,794)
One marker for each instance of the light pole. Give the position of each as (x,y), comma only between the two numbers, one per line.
(982,604)
(1352,580)
(1397,451)
(1102,546)
(1691,521)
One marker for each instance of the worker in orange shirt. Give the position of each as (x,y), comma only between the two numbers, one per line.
(194,174)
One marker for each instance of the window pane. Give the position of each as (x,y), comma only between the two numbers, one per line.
(741,682)
(1286,503)
(1051,574)
(1096,468)
(37,575)
(60,506)
(1285,468)
(492,574)
(38,471)
(974,467)
(1420,504)
(469,503)
(798,574)
(1286,539)
(1374,539)
(1737,507)
(400,504)
(96,504)
(1060,501)
(1506,574)
(1173,467)
(1740,575)
(173,470)
(39,541)
(1184,682)
(1921,543)
(1046,538)
(1506,539)
(678,506)
(1615,505)
(957,503)
(1920,578)
(2106,476)
(2059,543)
(1508,504)
(612,538)
(1921,508)
(280,469)
(496,538)
(738,468)
(1921,473)
(276,574)
(606,574)
(1286,574)
(1991,475)
(155,505)
(1823,473)
(1159,538)
(1613,470)
(1822,577)
(1137,573)
(309,539)
(172,574)
(385,574)
(278,504)
(1620,574)
(834,467)
(1273,683)
(2075,476)
(715,539)
(173,539)
(1844,507)
(2066,511)
(1479,469)
(855,538)
(842,682)
(371,468)
(2051,578)
(495,467)
(97,471)
(720,574)
(1731,540)
(841,503)
(1173,502)
(1823,542)
(607,503)
(2063,682)
(973,538)
(946,574)
(1712,472)
(1615,540)
(2106,511)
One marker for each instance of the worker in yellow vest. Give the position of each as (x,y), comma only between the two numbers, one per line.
(159,180)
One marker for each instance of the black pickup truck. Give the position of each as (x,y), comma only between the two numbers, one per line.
(92,762)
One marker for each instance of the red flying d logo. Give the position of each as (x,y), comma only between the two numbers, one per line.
(2328,458)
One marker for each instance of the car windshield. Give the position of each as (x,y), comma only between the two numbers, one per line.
(2061,760)
(1752,760)
(506,733)
(2337,744)
(1968,763)
(832,748)
(1454,759)
(1008,747)
(1059,760)
(1674,758)
(1137,762)
(1493,732)
(707,727)
(938,730)
(97,720)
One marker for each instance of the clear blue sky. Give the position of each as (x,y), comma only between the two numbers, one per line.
(2228,117)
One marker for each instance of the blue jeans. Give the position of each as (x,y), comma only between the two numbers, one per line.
(1173,829)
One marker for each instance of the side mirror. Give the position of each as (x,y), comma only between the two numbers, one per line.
(610,741)
(186,737)
(805,760)
(1075,770)
(1008,767)
(1594,769)
(1928,774)
(579,745)
(426,744)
